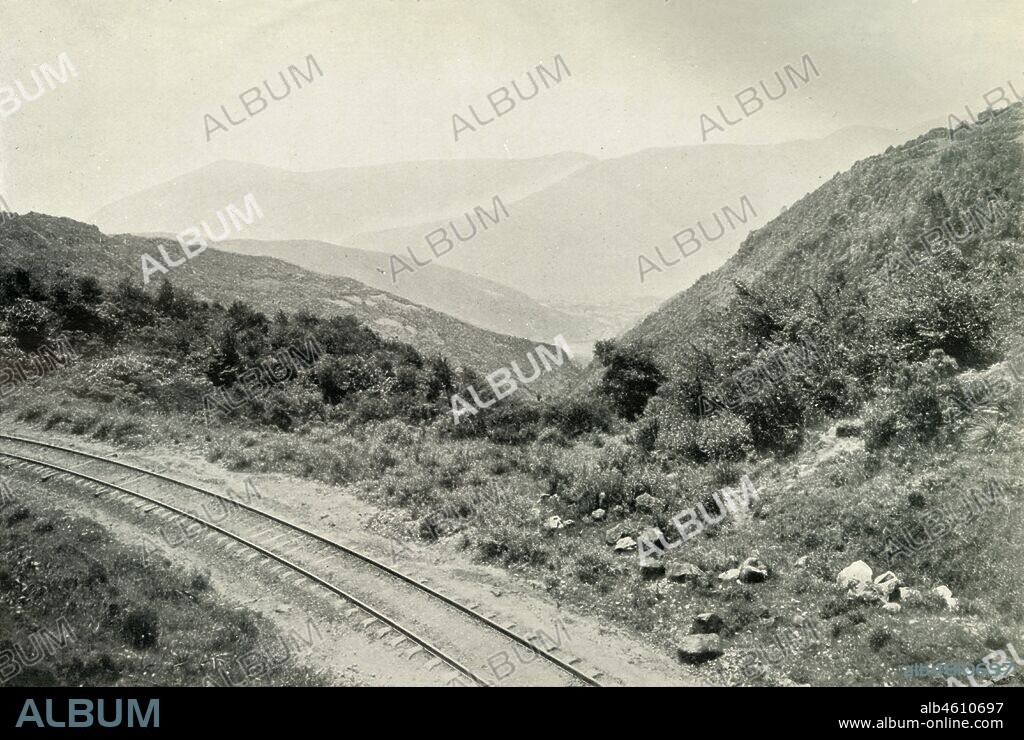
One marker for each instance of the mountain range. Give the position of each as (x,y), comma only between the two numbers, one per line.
(566,258)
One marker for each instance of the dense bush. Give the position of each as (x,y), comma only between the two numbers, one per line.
(630,377)
(914,408)
(166,349)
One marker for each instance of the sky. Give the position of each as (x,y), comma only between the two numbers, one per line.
(395,71)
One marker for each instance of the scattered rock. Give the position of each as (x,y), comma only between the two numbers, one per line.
(647,502)
(730,575)
(865,592)
(566,523)
(753,571)
(698,648)
(618,509)
(616,533)
(598,515)
(859,572)
(554,522)
(625,544)
(707,624)
(892,607)
(685,572)
(601,498)
(801,562)
(947,596)
(887,586)
(651,569)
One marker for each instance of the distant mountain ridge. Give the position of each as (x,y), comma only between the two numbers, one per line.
(580,238)
(575,230)
(332,205)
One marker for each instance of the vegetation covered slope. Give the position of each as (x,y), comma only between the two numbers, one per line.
(863,221)
(45,244)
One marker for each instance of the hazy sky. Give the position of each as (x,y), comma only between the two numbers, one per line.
(396,70)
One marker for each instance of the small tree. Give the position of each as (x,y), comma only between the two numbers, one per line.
(630,378)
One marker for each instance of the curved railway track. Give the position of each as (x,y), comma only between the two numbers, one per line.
(429,617)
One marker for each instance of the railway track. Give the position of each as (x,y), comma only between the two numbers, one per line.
(446,631)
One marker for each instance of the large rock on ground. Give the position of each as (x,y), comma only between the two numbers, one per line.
(947,596)
(698,648)
(859,572)
(625,544)
(753,571)
(888,585)
(616,533)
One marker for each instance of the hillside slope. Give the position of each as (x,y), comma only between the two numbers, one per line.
(867,222)
(49,243)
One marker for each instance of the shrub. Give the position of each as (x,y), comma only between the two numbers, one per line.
(512,422)
(645,435)
(141,627)
(630,379)
(914,408)
(579,416)
(30,324)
